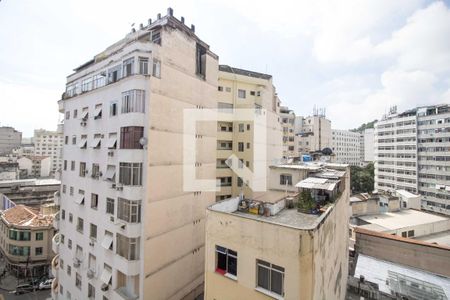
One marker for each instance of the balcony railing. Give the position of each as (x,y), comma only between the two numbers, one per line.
(55,266)
(55,242)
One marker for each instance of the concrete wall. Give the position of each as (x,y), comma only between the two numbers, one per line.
(297,176)
(331,246)
(432,258)
(173,260)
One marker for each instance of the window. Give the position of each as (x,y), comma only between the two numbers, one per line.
(129,210)
(128,66)
(72,165)
(156,68)
(200,61)
(74,139)
(107,241)
(71,191)
(66,139)
(38,251)
(226,261)
(19,235)
(67,115)
(248,126)
(80,225)
(82,169)
(94,201)
(286,179)
(70,217)
(69,270)
(156,37)
(240,182)
(248,145)
(130,173)
(65,165)
(241,94)
(95,171)
(78,281)
(19,250)
(40,235)
(91,291)
(114,74)
(241,147)
(130,137)
(241,127)
(404,234)
(410,233)
(110,206)
(98,112)
(220,88)
(225,181)
(99,80)
(113,109)
(86,84)
(127,247)
(252,93)
(64,188)
(143,65)
(270,277)
(63,214)
(93,231)
(69,244)
(133,101)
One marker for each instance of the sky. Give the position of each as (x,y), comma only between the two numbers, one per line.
(355,58)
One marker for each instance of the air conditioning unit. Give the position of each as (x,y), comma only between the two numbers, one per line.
(113,185)
(110,153)
(119,187)
(111,218)
(104,287)
(91,243)
(90,273)
(83,123)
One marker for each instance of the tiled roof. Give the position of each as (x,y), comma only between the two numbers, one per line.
(21,215)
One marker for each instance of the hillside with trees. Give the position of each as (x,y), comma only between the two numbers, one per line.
(362,179)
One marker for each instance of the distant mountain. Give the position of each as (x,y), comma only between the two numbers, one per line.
(364,126)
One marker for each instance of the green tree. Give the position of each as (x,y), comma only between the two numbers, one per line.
(362,179)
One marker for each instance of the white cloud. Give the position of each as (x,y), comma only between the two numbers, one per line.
(423,43)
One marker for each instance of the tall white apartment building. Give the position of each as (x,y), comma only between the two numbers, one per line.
(49,143)
(128,229)
(412,152)
(312,133)
(367,145)
(433,148)
(346,147)
(287,117)
(396,152)
(10,138)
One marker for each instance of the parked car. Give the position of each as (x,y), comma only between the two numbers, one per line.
(24,288)
(45,285)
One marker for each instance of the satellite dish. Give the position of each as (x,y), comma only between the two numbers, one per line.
(143,141)
(327,151)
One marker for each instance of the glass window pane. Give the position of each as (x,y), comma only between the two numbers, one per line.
(263,277)
(277,282)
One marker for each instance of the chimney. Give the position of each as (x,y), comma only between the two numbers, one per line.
(149,21)
(141,26)
(193,27)
(170,11)
(182,20)
(159,16)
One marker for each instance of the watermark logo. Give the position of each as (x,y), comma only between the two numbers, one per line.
(249,142)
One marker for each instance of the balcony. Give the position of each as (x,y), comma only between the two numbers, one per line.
(55,266)
(55,289)
(125,294)
(56,240)
(57,198)
(56,221)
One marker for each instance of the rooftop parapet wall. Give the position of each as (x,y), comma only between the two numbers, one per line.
(433,258)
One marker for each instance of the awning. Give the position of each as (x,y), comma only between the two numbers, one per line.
(96,143)
(107,241)
(84,115)
(317,184)
(79,199)
(83,143)
(98,112)
(106,276)
(110,173)
(112,143)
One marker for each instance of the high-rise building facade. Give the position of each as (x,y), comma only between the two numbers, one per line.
(367,142)
(246,90)
(9,139)
(412,152)
(396,152)
(312,133)
(346,146)
(49,143)
(129,229)
(288,126)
